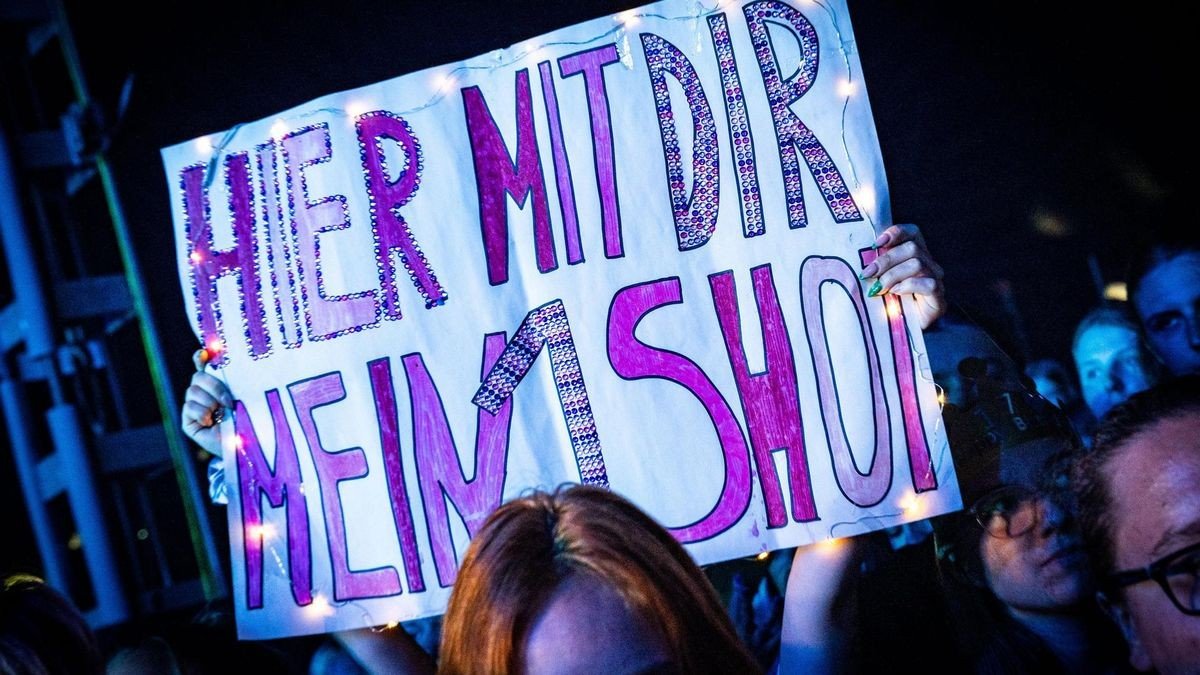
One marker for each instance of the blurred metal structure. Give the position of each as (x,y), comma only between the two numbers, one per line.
(112,491)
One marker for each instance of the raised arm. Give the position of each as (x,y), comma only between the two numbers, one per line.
(812,640)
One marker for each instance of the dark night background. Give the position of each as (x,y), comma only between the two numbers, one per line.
(1022,140)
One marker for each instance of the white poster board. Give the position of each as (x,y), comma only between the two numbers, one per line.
(623,253)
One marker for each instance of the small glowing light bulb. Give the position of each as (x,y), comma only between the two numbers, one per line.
(762,556)
(909,504)
(204,145)
(215,346)
(845,88)
(443,83)
(196,257)
(278,129)
(628,18)
(829,545)
(320,607)
(262,531)
(864,195)
(356,108)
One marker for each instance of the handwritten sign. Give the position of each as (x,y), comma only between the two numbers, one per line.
(625,254)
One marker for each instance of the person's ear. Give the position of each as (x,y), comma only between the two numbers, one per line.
(1118,611)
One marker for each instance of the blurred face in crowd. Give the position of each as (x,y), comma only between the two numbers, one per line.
(1052,381)
(950,345)
(1168,305)
(1154,486)
(1112,366)
(1052,390)
(587,628)
(1033,561)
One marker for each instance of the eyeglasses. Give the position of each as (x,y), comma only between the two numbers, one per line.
(1177,573)
(1007,512)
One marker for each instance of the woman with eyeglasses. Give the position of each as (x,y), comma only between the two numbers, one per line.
(1005,588)
(1015,576)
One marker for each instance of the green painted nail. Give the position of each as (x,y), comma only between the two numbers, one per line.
(876,289)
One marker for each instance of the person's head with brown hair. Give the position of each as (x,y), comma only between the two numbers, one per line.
(581,580)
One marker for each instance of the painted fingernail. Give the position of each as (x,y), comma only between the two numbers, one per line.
(876,289)
(882,240)
(868,272)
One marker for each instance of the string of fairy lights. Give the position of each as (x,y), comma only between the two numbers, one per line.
(441,85)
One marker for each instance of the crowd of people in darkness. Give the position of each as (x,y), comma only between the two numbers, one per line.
(1078,550)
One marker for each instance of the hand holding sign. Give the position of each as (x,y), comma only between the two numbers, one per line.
(905,266)
(204,406)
